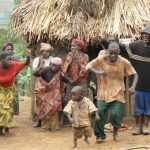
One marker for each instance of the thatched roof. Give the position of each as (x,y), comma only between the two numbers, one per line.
(39,19)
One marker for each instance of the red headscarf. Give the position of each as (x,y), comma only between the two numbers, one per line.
(79,43)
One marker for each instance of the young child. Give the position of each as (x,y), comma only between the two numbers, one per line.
(78,111)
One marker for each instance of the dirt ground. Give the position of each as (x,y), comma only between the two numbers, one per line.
(25,137)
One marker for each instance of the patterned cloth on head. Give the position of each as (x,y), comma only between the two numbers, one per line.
(45,47)
(57,61)
(79,43)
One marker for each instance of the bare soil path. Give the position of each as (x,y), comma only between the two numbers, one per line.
(25,137)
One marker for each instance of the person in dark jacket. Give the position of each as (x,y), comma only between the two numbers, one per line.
(139,54)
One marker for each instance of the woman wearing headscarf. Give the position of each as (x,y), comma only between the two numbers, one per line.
(45,58)
(41,61)
(75,65)
(48,94)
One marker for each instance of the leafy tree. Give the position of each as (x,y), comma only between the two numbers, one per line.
(17,2)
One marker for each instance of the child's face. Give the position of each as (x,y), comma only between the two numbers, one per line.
(76,96)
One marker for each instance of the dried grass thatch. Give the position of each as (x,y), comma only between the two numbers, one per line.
(39,19)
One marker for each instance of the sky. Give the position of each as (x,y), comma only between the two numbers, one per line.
(6,7)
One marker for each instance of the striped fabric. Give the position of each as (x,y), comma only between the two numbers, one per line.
(48,96)
(73,70)
(136,57)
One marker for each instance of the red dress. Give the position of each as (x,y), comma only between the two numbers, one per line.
(7,77)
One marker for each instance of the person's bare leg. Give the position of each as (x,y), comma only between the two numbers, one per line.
(7,130)
(1,131)
(86,139)
(74,143)
(115,135)
(38,124)
(145,129)
(138,120)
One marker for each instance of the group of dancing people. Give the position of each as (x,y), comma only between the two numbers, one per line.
(63,85)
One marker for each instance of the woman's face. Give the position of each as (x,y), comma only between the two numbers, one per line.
(46,54)
(9,50)
(55,68)
(74,47)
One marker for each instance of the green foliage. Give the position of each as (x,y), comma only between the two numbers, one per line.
(23,78)
(17,2)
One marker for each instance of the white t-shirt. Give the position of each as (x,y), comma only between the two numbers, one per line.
(36,62)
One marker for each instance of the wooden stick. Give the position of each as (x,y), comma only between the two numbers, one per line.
(131,148)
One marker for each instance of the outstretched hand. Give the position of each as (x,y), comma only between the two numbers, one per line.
(28,52)
(131,90)
(71,120)
(97,116)
(72,81)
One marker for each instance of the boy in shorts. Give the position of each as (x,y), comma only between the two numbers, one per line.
(78,111)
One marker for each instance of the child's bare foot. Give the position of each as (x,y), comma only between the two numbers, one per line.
(44,130)
(100,140)
(2,132)
(74,145)
(38,124)
(115,136)
(86,140)
(7,130)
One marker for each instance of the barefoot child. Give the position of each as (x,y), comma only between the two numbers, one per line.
(78,111)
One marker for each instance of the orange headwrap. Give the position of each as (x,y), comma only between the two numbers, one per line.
(79,43)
